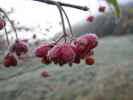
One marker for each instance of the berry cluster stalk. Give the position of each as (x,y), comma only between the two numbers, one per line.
(12,25)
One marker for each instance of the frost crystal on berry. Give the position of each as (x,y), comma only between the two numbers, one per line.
(19,47)
(62,54)
(42,50)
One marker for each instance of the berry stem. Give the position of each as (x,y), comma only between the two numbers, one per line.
(62,20)
(12,25)
(7,38)
(69,24)
(59,39)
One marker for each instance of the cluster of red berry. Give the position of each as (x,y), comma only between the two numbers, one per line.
(16,50)
(68,53)
(91,18)
(59,52)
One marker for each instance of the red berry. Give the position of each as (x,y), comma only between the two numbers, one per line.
(62,54)
(45,74)
(19,47)
(102,9)
(89,60)
(43,50)
(81,43)
(10,60)
(84,44)
(90,18)
(7,62)
(92,40)
(2,24)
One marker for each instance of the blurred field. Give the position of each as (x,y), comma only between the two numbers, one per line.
(111,78)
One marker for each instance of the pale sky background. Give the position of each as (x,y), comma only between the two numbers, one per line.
(32,13)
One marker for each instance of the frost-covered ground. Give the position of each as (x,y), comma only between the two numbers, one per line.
(111,78)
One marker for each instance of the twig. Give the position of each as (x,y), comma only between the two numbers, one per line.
(12,25)
(84,8)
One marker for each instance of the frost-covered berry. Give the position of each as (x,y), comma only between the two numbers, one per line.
(62,54)
(86,41)
(10,60)
(42,50)
(2,24)
(92,40)
(19,47)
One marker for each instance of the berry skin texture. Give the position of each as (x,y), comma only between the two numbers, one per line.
(90,18)
(2,24)
(43,50)
(92,40)
(88,40)
(101,8)
(85,44)
(89,60)
(45,74)
(62,54)
(19,47)
(10,60)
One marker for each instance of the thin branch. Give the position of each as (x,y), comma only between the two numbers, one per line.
(12,25)
(62,19)
(84,8)
(69,24)
(8,42)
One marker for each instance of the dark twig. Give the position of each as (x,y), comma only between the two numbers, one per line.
(7,36)
(84,8)
(69,24)
(62,19)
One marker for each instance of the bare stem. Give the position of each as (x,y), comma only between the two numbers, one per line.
(7,36)
(12,25)
(63,23)
(84,8)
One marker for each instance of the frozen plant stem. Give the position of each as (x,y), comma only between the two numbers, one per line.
(84,8)
(13,27)
(62,20)
(7,39)
(7,36)
(69,24)
(60,8)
